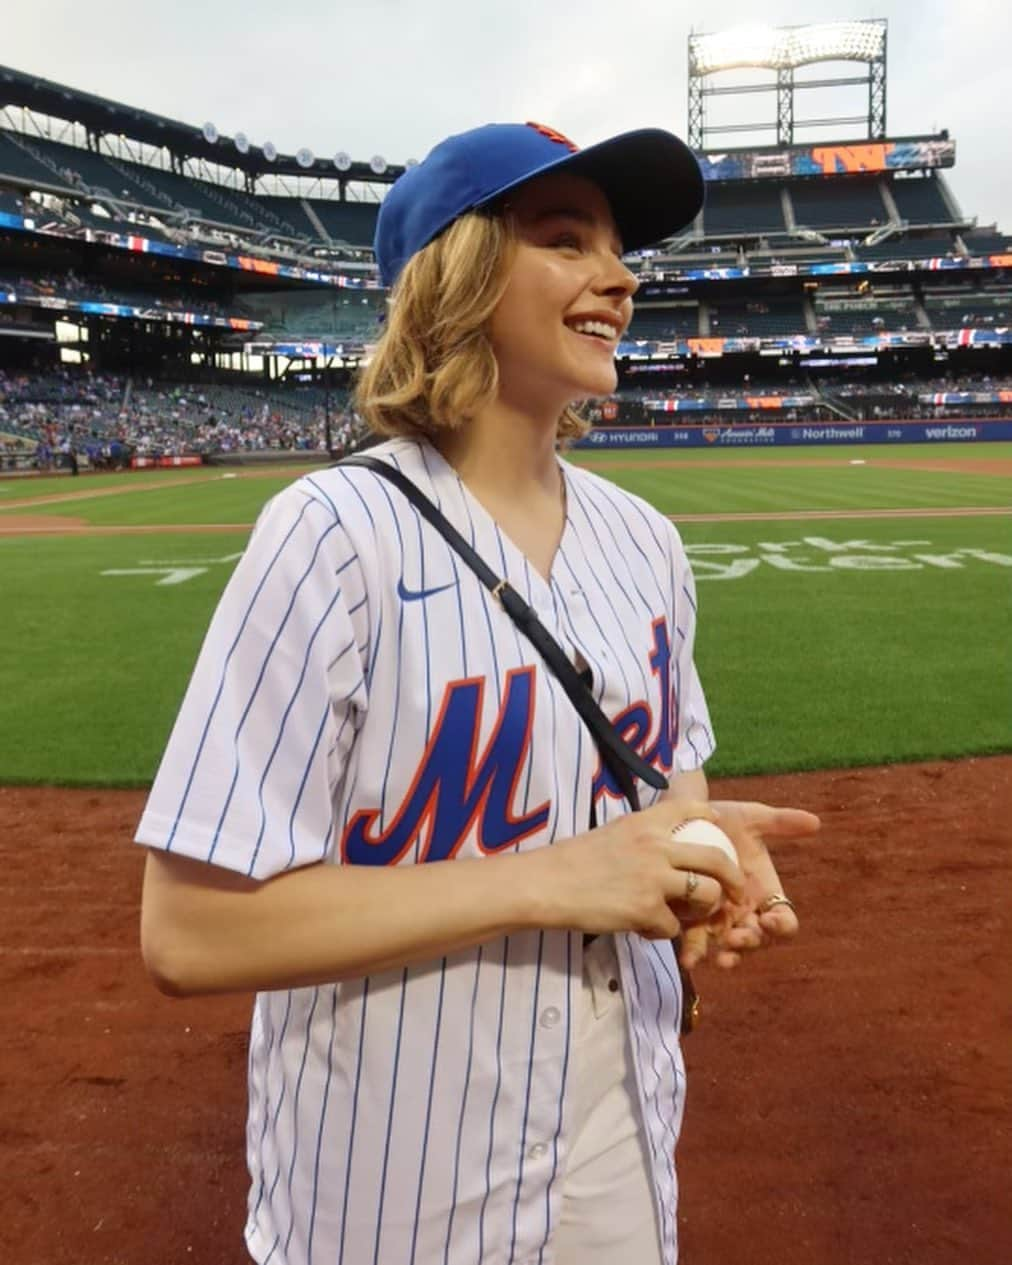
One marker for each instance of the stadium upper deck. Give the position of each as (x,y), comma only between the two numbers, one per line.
(799,243)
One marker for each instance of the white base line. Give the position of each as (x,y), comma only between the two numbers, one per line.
(978,511)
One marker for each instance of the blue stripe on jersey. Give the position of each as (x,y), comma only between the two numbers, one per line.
(349,1161)
(614,499)
(427,656)
(618,550)
(324,716)
(390,1119)
(452,555)
(224,670)
(653,960)
(256,687)
(486,600)
(280,1103)
(295,1121)
(463,1103)
(620,622)
(562,1099)
(597,670)
(376,641)
(428,1109)
(553,834)
(520,657)
(495,1100)
(311,1229)
(379,617)
(639,1058)
(632,503)
(281,733)
(310,480)
(398,657)
(527,1091)
(688,593)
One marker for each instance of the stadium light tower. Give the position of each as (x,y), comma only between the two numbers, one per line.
(782,50)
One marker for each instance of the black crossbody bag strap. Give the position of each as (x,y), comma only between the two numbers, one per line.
(621,760)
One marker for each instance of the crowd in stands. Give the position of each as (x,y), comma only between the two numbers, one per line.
(107,418)
(64,417)
(78,289)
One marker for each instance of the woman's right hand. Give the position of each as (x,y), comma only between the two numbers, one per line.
(631,875)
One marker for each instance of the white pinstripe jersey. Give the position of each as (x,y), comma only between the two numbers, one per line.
(361,699)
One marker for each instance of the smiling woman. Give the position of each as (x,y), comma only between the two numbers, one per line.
(382,811)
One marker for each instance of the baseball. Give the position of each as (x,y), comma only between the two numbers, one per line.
(699,830)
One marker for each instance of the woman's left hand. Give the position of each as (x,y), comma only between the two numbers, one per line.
(735,929)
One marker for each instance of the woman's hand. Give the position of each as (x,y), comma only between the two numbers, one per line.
(761,916)
(631,875)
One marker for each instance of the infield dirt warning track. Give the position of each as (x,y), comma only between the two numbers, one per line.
(15,521)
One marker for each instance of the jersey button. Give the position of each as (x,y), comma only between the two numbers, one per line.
(613,986)
(538,1151)
(550,1017)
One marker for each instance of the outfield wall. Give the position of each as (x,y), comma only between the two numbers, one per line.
(801,434)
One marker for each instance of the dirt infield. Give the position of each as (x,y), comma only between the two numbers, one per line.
(848,1096)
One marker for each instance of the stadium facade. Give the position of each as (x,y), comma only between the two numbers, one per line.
(826,282)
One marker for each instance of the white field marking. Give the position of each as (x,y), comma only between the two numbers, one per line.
(725,561)
(857,461)
(173,575)
(798,516)
(228,557)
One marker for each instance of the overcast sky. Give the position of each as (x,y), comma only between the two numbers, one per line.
(393,77)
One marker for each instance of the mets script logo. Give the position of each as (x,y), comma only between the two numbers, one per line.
(457,789)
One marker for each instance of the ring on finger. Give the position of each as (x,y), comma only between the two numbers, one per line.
(691,883)
(774,899)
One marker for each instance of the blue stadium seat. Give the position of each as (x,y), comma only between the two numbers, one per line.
(837,204)
(351,222)
(750,209)
(919,200)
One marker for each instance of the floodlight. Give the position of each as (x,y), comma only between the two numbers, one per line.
(772,48)
(304,157)
(378,164)
(210,133)
(242,142)
(835,41)
(270,151)
(342,161)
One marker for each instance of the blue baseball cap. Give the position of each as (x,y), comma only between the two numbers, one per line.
(650,178)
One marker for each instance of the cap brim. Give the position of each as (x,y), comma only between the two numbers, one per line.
(650,178)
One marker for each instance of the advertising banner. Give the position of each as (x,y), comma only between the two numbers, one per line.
(829,160)
(164,463)
(816,434)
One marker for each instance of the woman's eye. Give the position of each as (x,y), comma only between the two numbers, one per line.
(567,241)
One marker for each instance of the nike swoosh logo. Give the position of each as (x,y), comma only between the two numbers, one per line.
(418,595)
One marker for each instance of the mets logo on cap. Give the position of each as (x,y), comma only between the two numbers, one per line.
(553,135)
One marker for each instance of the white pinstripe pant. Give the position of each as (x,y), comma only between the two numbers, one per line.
(609,1215)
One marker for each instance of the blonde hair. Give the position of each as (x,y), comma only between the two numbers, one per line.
(433,367)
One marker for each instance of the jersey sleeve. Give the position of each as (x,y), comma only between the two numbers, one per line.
(692,739)
(257,754)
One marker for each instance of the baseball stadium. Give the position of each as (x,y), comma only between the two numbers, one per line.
(816,388)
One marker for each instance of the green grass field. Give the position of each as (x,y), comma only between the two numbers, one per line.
(821,643)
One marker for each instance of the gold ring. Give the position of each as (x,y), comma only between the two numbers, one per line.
(774,899)
(691,883)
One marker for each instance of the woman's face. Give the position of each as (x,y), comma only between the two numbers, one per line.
(568,300)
